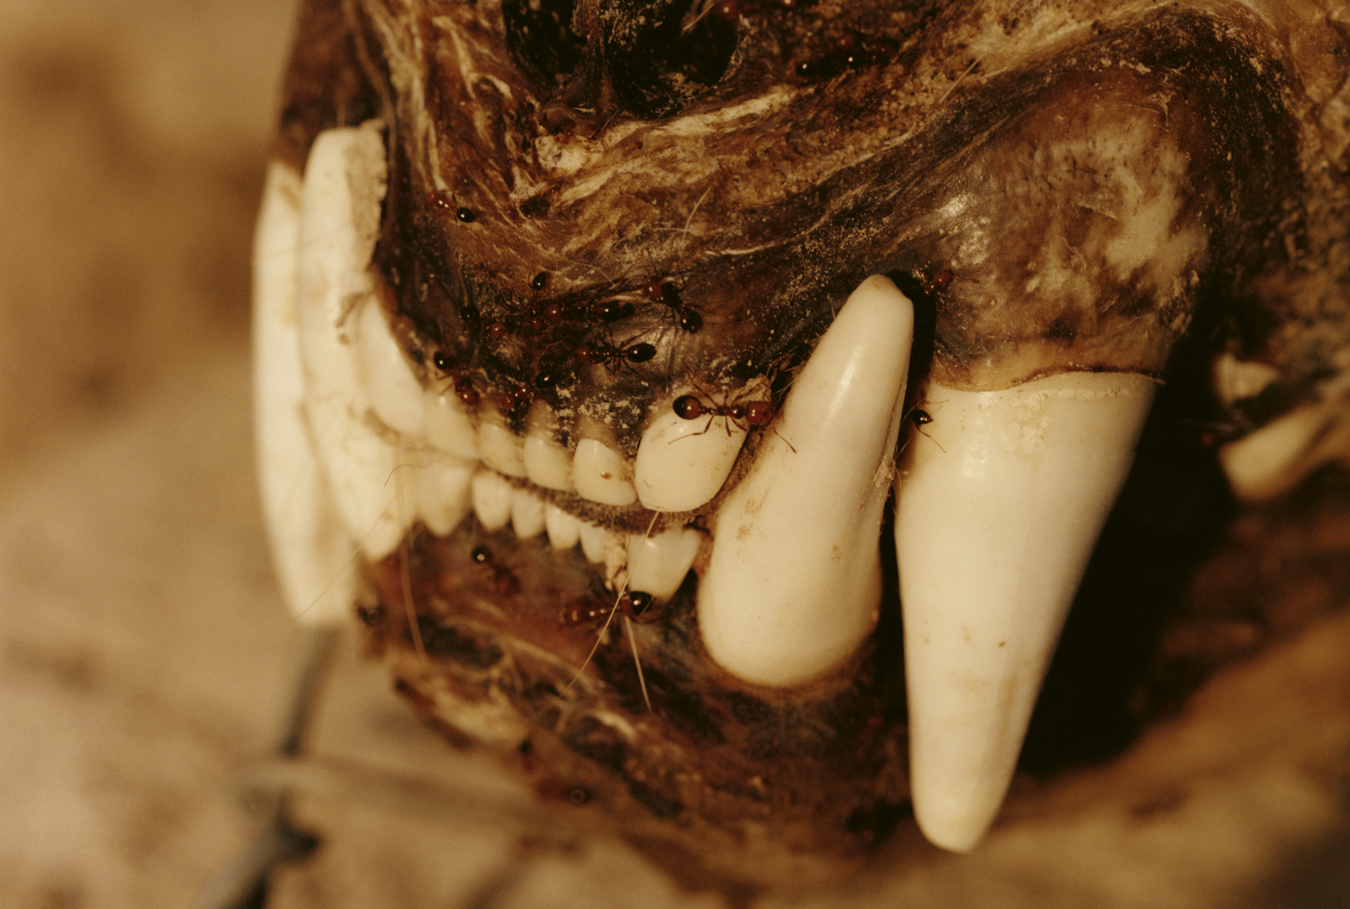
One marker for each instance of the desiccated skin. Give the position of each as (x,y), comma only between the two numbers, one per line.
(567,184)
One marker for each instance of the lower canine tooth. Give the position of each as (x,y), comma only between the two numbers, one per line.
(600,474)
(794,580)
(658,564)
(1001,500)
(491,496)
(681,464)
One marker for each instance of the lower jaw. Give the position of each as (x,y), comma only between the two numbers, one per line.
(742,789)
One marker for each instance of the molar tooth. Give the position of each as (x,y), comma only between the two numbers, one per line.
(1000,504)
(527,514)
(310,548)
(794,580)
(658,564)
(600,474)
(448,427)
(564,530)
(393,390)
(547,463)
(442,494)
(501,449)
(339,220)
(681,464)
(491,496)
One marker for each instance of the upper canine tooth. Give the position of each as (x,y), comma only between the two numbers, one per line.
(310,548)
(339,220)
(501,449)
(547,463)
(394,392)
(491,496)
(657,564)
(448,426)
(681,464)
(1001,499)
(600,474)
(794,580)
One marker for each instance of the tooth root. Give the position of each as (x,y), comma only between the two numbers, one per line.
(443,494)
(658,564)
(339,220)
(1001,500)
(448,427)
(599,474)
(394,392)
(527,514)
(311,550)
(547,463)
(681,464)
(564,530)
(491,496)
(501,449)
(794,580)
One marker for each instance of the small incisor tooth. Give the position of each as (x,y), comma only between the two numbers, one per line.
(1001,499)
(681,464)
(547,463)
(527,514)
(448,426)
(492,496)
(658,564)
(442,492)
(564,530)
(794,580)
(600,474)
(501,449)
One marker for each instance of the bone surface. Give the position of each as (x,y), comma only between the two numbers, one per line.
(794,580)
(1001,499)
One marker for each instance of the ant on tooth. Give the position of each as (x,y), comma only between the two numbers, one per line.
(668,295)
(463,385)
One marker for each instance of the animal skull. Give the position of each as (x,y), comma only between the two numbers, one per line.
(622,338)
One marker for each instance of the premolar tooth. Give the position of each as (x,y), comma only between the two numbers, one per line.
(443,494)
(311,550)
(564,530)
(339,220)
(794,580)
(527,514)
(681,464)
(1001,499)
(448,426)
(657,564)
(501,449)
(600,474)
(394,392)
(491,495)
(547,463)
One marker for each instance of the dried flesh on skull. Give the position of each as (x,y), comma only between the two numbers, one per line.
(726,400)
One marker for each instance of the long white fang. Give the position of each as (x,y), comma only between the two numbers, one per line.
(600,474)
(339,221)
(393,390)
(681,464)
(1001,498)
(310,549)
(657,564)
(794,580)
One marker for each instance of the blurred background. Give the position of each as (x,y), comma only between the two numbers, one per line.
(145,656)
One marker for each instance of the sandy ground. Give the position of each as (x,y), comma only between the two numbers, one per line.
(144,651)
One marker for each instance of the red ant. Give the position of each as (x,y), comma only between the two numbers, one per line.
(669,296)
(634,604)
(754,413)
(464,390)
(602,354)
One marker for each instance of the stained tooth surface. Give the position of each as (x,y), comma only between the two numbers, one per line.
(339,220)
(600,474)
(491,495)
(501,449)
(794,580)
(442,494)
(681,464)
(394,392)
(1001,498)
(658,564)
(311,550)
(448,427)
(547,463)
(564,530)
(527,514)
